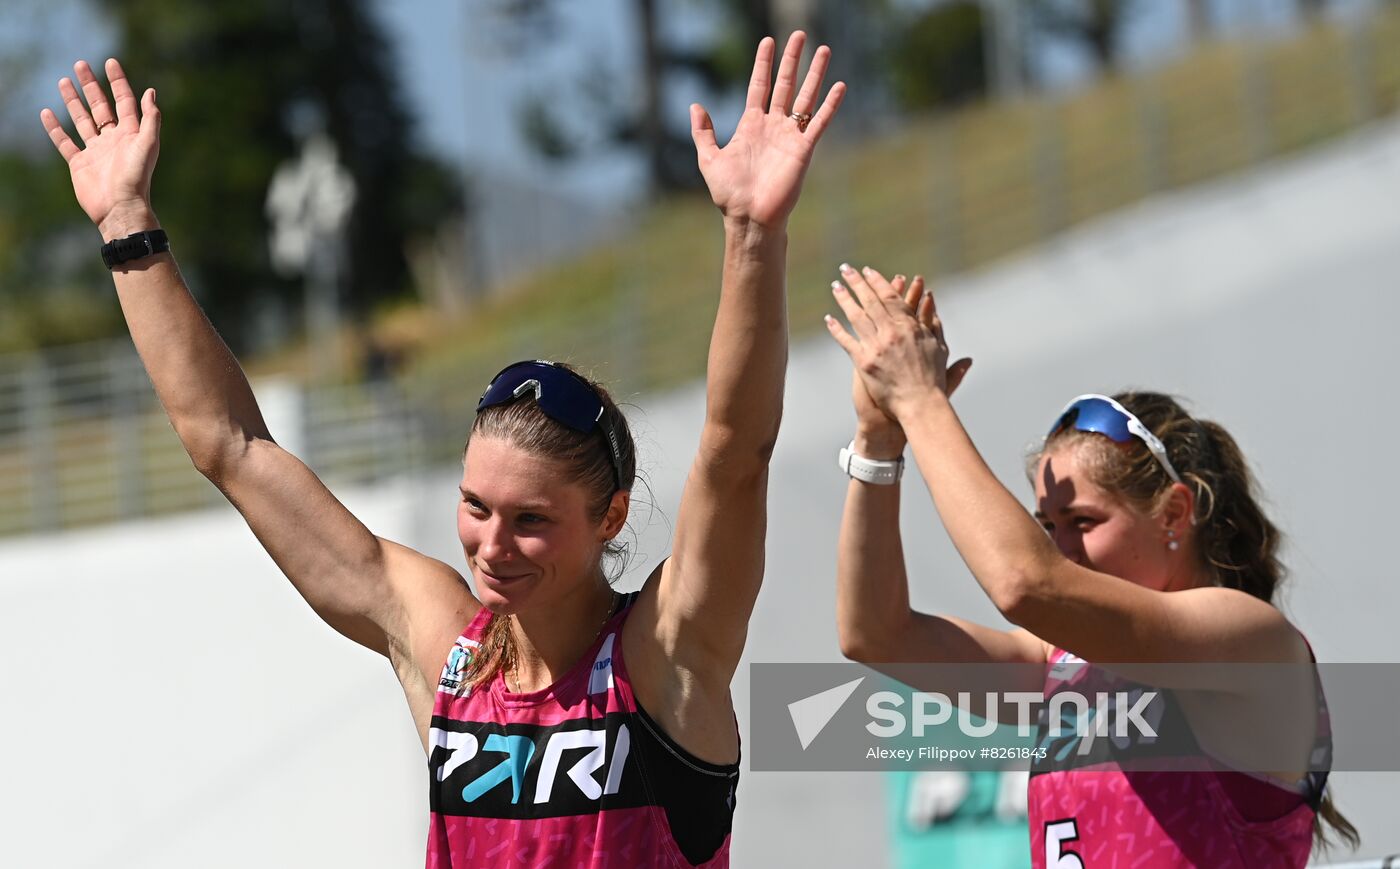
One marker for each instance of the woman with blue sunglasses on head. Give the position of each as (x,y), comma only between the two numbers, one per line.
(1147,547)
(565,724)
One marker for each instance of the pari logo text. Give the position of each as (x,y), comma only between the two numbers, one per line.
(529,766)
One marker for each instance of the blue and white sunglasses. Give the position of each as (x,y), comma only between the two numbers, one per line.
(1102,415)
(564,396)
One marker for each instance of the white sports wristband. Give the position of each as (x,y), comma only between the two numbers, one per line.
(881,472)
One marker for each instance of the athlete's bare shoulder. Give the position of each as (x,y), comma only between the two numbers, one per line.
(434,606)
(434,603)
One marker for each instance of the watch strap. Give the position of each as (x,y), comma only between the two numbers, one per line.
(134,247)
(880,472)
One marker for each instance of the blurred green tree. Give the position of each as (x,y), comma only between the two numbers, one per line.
(940,59)
(41,280)
(245,78)
(49,271)
(239,82)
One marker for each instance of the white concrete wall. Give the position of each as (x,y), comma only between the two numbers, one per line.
(169,702)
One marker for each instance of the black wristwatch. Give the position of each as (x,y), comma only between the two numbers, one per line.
(138,246)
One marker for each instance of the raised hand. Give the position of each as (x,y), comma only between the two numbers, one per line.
(111,172)
(758,175)
(898,349)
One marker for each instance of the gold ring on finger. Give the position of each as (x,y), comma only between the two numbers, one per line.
(802,119)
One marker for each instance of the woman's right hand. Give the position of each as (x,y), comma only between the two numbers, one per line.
(111,172)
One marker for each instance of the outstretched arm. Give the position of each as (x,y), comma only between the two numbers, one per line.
(702,599)
(343,571)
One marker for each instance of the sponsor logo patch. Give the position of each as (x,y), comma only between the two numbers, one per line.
(459,661)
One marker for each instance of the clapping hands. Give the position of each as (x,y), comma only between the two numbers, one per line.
(897,348)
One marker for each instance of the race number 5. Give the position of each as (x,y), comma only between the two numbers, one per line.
(1056,834)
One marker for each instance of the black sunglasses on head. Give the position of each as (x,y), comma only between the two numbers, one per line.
(564,396)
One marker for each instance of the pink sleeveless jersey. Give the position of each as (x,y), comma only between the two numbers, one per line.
(575,775)
(1109,816)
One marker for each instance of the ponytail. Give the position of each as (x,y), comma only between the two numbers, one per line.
(1236,539)
(1328,816)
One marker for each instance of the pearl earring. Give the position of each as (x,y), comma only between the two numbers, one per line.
(1172,543)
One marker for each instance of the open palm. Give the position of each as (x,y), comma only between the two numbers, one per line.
(112,171)
(758,174)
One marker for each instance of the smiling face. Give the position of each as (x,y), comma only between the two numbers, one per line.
(1094,528)
(529,532)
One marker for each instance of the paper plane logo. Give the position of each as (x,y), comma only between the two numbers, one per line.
(811,715)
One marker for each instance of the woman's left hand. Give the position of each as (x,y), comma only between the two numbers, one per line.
(758,175)
(898,351)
